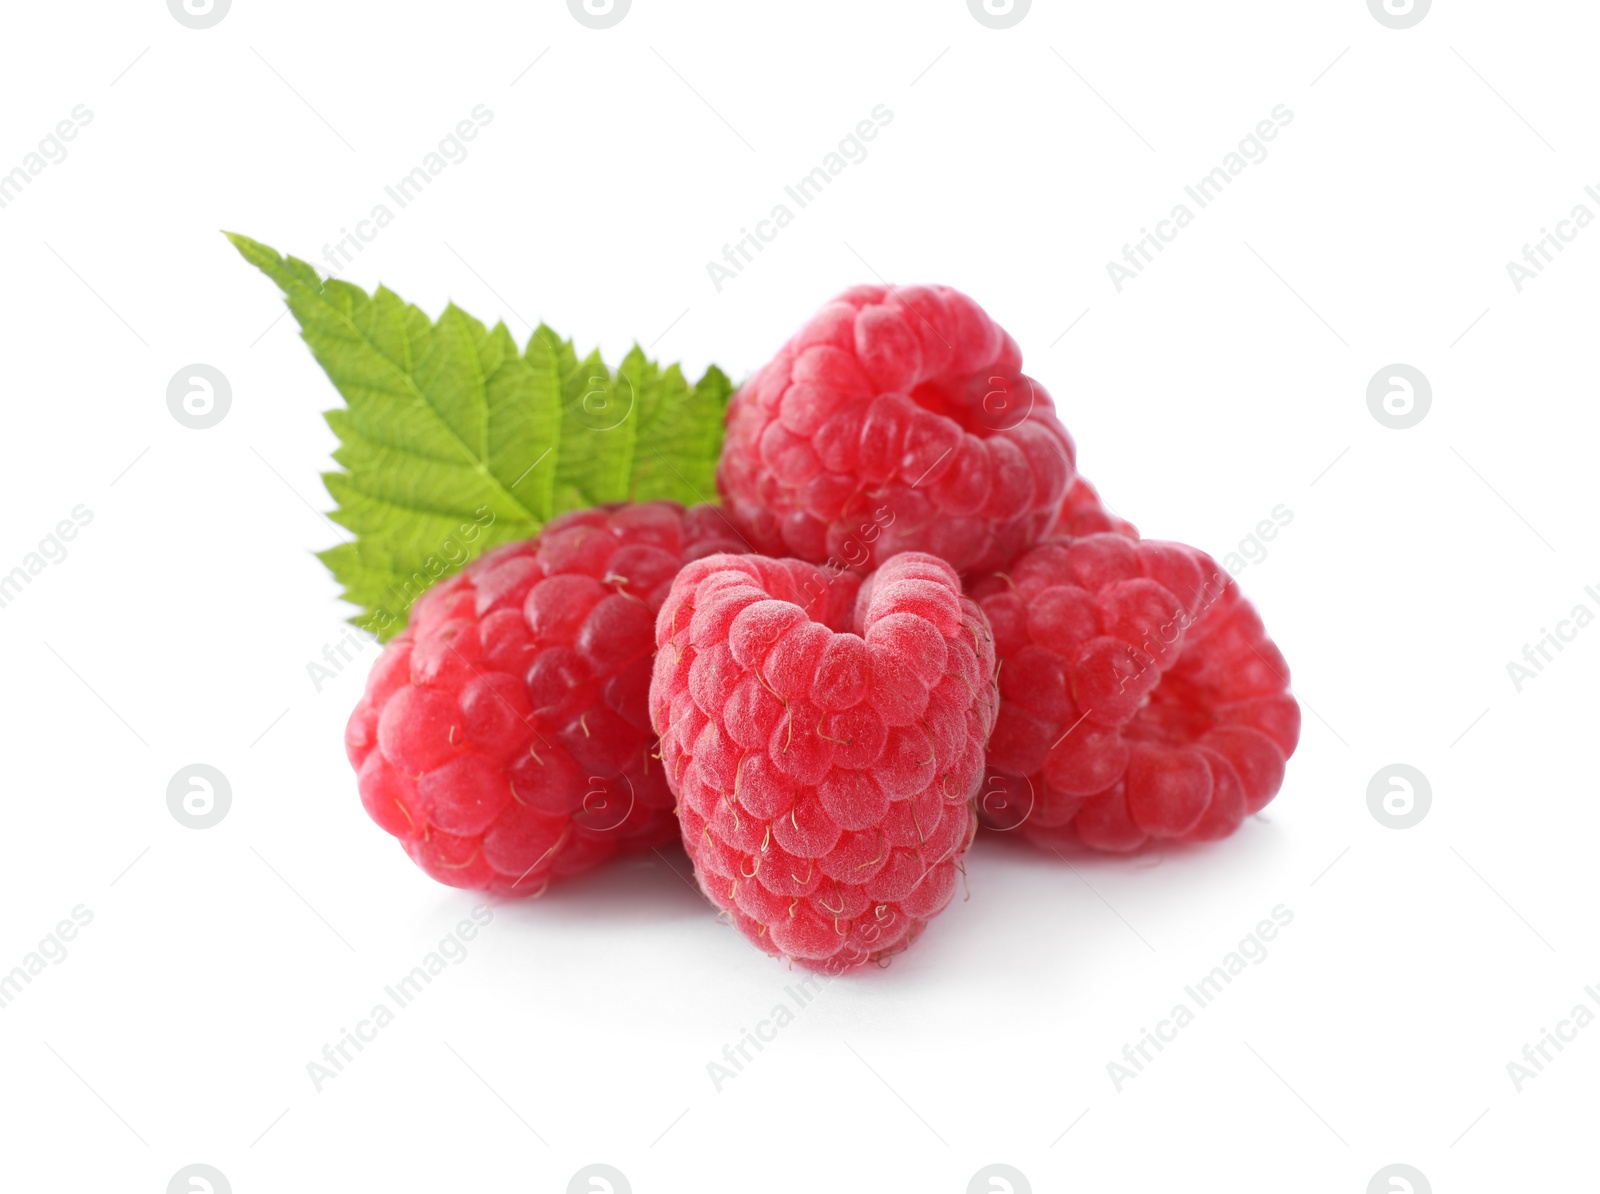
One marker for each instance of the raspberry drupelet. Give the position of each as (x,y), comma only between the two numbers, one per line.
(824,736)
(504,736)
(1083,513)
(1141,699)
(897,419)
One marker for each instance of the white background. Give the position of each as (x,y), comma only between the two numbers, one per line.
(1228,378)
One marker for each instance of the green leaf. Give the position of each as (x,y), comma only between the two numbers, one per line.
(597,435)
(452,440)
(680,434)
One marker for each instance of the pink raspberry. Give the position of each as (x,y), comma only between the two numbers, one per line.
(824,736)
(897,419)
(505,736)
(1140,696)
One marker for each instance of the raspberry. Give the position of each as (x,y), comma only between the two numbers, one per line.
(1140,696)
(824,736)
(504,736)
(897,419)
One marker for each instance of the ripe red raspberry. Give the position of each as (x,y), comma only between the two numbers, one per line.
(1140,696)
(824,736)
(504,736)
(898,419)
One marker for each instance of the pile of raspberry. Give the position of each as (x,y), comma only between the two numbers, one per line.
(910,618)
